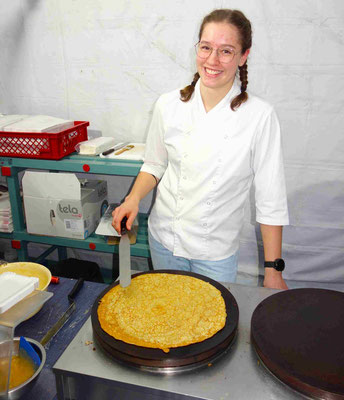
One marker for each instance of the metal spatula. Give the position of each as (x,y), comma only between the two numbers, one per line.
(124,256)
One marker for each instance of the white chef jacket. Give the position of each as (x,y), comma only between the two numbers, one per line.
(207,163)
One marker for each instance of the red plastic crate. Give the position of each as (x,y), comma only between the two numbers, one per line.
(52,146)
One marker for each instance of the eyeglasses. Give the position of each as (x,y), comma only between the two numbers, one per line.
(224,53)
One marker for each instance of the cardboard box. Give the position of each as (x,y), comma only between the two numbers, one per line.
(60,204)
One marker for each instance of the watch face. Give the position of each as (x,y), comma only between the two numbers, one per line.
(279,264)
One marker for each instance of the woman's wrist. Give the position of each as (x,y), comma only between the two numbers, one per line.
(133,198)
(272,272)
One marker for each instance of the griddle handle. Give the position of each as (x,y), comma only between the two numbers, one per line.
(75,290)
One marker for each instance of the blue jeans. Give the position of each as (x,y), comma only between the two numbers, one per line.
(222,270)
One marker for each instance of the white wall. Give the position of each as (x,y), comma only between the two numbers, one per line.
(107,61)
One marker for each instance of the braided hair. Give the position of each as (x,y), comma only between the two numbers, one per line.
(243,96)
(243,25)
(186,93)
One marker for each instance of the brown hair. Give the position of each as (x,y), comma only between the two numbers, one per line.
(243,25)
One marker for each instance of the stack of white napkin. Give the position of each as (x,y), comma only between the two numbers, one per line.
(33,123)
(95,146)
(6,222)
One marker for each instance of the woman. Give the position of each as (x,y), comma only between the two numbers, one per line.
(206,145)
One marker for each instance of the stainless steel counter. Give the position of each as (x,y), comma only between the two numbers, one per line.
(85,372)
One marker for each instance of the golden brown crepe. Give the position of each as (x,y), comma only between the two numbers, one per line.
(163,311)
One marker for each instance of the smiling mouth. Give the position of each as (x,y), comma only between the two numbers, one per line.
(212,71)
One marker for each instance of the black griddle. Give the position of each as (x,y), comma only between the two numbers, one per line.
(194,354)
(299,336)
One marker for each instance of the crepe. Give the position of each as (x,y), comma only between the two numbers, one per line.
(163,311)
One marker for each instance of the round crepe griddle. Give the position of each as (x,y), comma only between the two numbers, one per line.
(177,357)
(299,336)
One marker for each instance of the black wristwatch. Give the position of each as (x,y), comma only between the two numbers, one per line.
(278,264)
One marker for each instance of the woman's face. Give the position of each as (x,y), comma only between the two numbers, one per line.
(214,73)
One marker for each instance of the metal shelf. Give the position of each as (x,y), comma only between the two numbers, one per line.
(77,163)
(6,235)
(140,248)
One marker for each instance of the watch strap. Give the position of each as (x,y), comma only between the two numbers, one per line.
(269,264)
(278,264)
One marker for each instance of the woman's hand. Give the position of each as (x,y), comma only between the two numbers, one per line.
(273,279)
(144,183)
(129,209)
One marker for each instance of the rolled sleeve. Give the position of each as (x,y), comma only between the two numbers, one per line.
(155,161)
(269,179)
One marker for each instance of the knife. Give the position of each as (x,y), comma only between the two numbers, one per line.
(59,324)
(117,147)
(124,256)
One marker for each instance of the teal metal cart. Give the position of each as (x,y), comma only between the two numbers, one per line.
(11,167)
